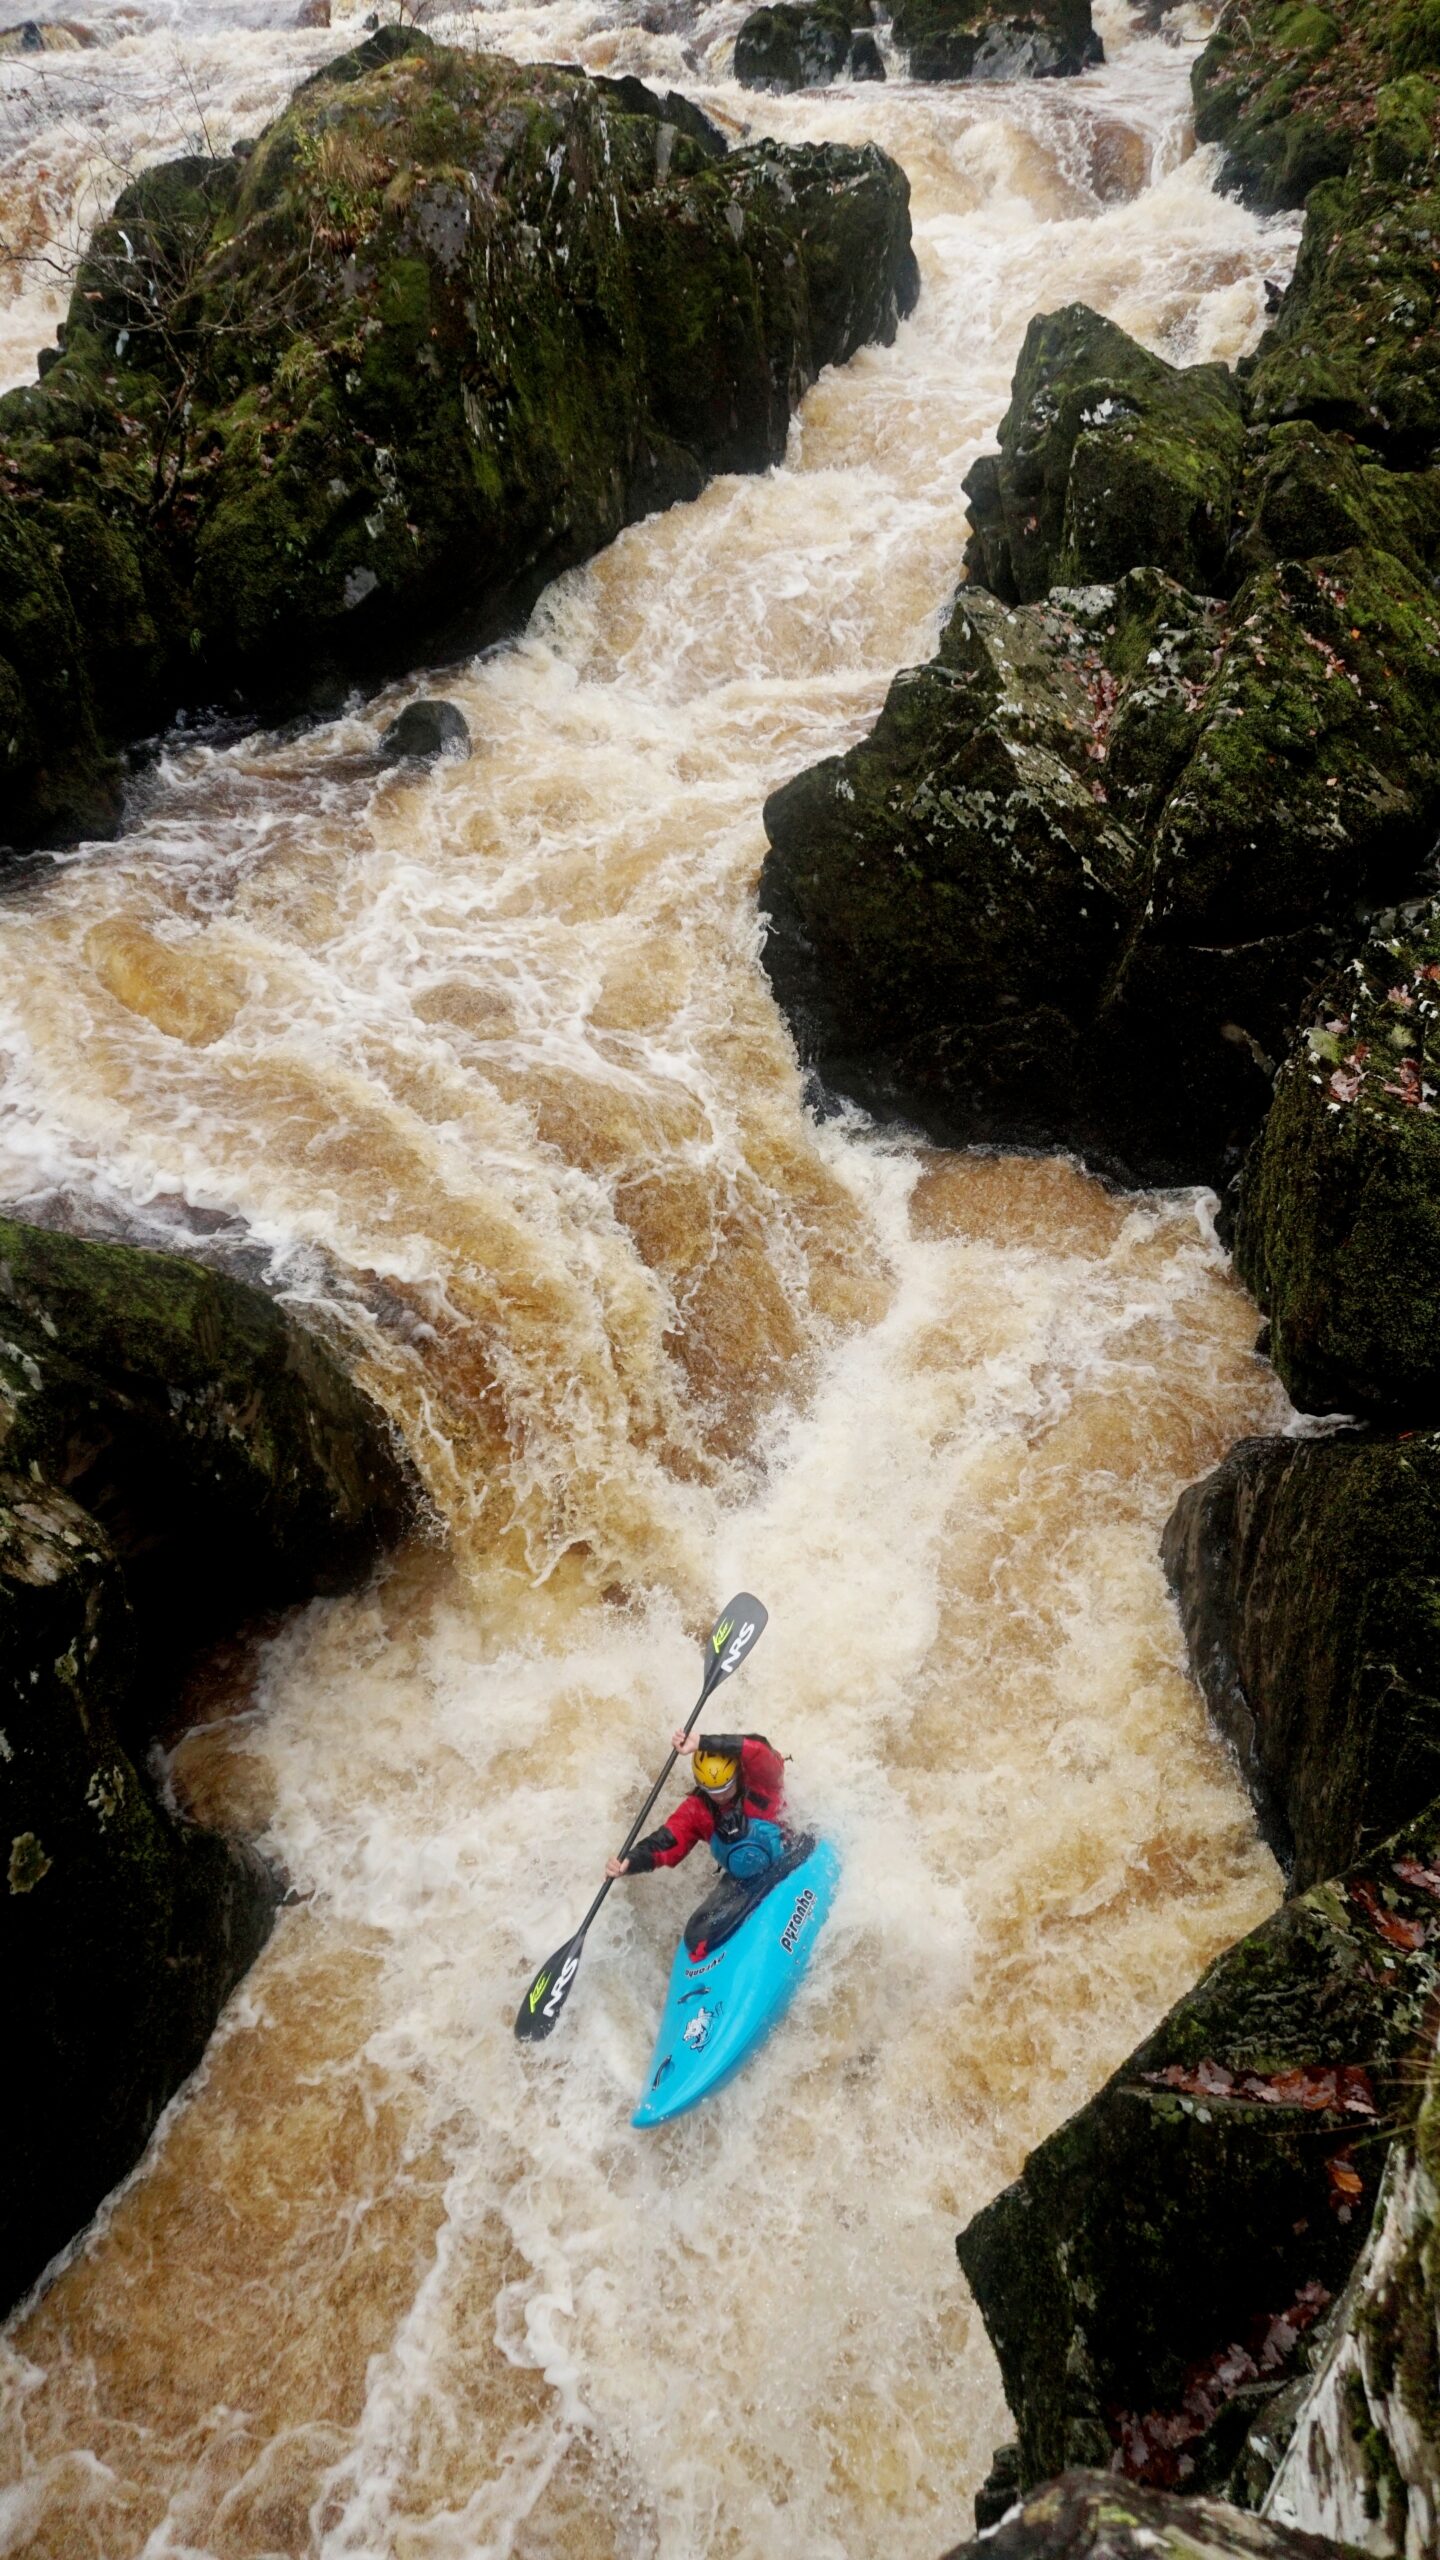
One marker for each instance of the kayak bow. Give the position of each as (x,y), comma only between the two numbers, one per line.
(721,2004)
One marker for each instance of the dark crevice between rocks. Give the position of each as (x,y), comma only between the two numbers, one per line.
(178,1461)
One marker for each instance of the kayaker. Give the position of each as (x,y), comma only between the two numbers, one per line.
(737,1804)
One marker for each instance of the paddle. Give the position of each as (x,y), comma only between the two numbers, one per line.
(729,1641)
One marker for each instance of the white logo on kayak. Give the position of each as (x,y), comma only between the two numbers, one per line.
(796,1922)
(697,2034)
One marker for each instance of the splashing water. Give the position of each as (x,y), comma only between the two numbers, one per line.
(481,1067)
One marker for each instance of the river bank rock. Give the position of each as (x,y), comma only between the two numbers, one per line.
(1295,93)
(359,394)
(1355,345)
(1078,882)
(1164,2265)
(792,47)
(976,40)
(1308,1579)
(1337,1228)
(1090,2515)
(1363,2460)
(1109,460)
(176,1457)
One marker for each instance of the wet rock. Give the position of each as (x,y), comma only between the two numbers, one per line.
(1109,460)
(425,730)
(790,47)
(1079,881)
(61,781)
(1308,1578)
(124,1931)
(176,1457)
(663,107)
(974,40)
(234,1466)
(1363,2460)
(1356,345)
(1304,493)
(1090,2515)
(1297,93)
(451,324)
(313,13)
(866,60)
(1164,2264)
(1337,1231)
(1000,2488)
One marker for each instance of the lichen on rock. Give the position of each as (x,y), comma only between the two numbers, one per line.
(1077,882)
(1090,2515)
(1337,1229)
(1109,460)
(1164,2264)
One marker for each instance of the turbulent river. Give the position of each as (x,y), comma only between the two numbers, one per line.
(480,1070)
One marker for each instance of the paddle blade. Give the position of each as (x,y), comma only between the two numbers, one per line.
(540,2009)
(734,1635)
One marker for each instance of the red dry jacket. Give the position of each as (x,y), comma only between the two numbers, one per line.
(762,1783)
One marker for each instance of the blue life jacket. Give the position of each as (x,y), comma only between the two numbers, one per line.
(758,1847)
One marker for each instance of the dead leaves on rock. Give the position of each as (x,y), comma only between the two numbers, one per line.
(1152,2445)
(1341,2088)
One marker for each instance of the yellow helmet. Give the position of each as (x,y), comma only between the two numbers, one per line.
(716,1771)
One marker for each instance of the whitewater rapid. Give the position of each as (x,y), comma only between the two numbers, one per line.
(479,1069)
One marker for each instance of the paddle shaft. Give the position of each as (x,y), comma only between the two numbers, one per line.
(633,1834)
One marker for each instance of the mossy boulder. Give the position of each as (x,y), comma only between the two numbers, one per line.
(1356,343)
(1163,2265)
(1308,1578)
(1304,492)
(1081,878)
(1109,460)
(1337,1229)
(176,1457)
(355,398)
(231,1462)
(1090,2515)
(1296,93)
(976,40)
(789,47)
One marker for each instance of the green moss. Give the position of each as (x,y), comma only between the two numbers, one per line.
(1355,345)
(1109,460)
(1308,1577)
(1338,1230)
(1081,876)
(418,365)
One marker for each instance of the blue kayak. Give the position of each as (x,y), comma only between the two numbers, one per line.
(750,1951)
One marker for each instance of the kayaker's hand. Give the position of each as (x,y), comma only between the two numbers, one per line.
(617,1866)
(682,1743)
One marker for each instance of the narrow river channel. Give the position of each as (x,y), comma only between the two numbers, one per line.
(481,1069)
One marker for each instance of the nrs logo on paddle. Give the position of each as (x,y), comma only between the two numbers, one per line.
(740,1646)
(797,1920)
